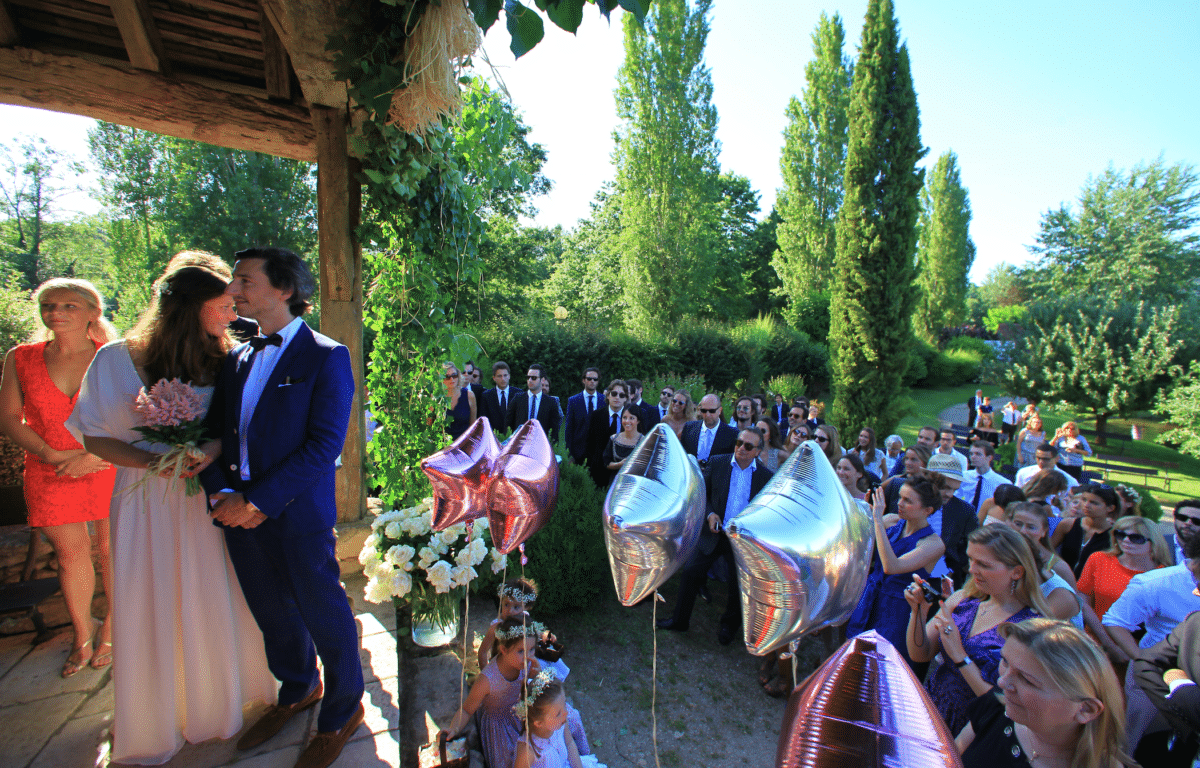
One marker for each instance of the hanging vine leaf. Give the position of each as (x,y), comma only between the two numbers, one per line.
(567,14)
(525,26)
(485,12)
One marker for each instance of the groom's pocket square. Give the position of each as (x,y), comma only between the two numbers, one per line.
(289,381)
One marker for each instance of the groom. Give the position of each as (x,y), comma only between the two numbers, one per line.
(281,408)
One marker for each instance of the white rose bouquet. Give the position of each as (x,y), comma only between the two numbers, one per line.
(405,559)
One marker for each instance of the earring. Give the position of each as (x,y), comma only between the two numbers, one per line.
(1012,588)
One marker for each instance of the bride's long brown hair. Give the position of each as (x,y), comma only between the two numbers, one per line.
(169,339)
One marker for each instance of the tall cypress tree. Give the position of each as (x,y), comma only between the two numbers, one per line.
(813,162)
(873,293)
(945,251)
(667,170)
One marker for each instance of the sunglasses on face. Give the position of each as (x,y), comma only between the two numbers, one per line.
(743,444)
(680,403)
(1194,520)
(708,410)
(821,439)
(1132,538)
(666,393)
(449,376)
(590,378)
(621,395)
(795,415)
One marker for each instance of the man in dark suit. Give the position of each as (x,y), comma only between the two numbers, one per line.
(580,408)
(281,407)
(779,414)
(664,402)
(952,522)
(472,380)
(605,423)
(734,479)
(974,403)
(710,435)
(648,414)
(497,399)
(533,404)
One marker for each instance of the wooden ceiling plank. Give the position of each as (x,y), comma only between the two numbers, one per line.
(207,25)
(9,34)
(142,41)
(171,38)
(276,65)
(65,11)
(84,33)
(155,103)
(214,63)
(243,12)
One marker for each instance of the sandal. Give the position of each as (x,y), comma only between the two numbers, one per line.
(779,687)
(766,670)
(100,657)
(71,668)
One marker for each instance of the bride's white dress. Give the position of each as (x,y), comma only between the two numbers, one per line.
(187,654)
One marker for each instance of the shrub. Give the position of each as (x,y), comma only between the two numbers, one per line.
(693,384)
(705,347)
(919,359)
(567,557)
(790,385)
(809,314)
(1014,314)
(971,344)
(18,316)
(950,369)
(793,352)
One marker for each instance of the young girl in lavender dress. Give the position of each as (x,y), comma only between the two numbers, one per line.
(497,690)
(515,597)
(546,743)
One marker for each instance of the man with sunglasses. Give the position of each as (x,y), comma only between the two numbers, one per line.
(710,435)
(1157,600)
(648,414)
(605,423)
(533,404)
(664,402)
(797,417)
(1187,526)
(580,408)
(472,373)
(734,480)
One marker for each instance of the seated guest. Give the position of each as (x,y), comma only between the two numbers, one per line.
(1157,600)
(1060,704)
(745,413)
(1137,547)
(826,436)
(733,481)
(854,477)
(1078,538)
(709,436)
(795,437)
(1004,587)
(771,454)
(910,547)
(894,445)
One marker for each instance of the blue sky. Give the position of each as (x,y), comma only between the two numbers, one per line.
(1033,97)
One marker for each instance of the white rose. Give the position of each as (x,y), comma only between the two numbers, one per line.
(439,546)
(481,525)
(479,551)
(376,568)
(440,576)
(401,584)
(367,554)
(449,536)
(399,554)
(370,543)
(392,530)
(378,590)
(427,557)
(463,575)
(499,560)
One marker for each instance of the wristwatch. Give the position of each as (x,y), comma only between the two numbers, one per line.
(960,664)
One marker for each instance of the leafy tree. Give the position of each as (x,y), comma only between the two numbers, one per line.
(1180,405)
(763,288)
(870,331)
(1105,361)
(525,26)
(1004,286)
(813,164)
(945,251)
(32,179)
(666,164)
(1132,237)
(585,277)
(737,202)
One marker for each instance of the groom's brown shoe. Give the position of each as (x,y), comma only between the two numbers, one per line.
(276,717)
(327,745)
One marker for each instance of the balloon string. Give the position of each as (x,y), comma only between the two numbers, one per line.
(793,646)
(467,644)
(528,663)
(654,679)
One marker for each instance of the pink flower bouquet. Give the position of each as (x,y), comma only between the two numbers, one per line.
(172,413)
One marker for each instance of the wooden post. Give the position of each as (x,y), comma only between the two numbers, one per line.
(339,205)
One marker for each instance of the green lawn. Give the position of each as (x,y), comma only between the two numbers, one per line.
(1185,481)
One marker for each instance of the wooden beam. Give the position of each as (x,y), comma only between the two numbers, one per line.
(9,35)
(152,102)
(339,205)
(137,28)
(275,61)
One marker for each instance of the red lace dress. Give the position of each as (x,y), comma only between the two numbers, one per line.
(54,500)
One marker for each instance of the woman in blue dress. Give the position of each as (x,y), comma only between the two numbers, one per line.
(462,411)
(908,548)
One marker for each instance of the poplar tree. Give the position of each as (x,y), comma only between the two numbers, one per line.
(874,294)
(813,162)
(945,251)
(667,171)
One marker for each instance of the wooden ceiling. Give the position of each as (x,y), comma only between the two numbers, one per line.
(239,73)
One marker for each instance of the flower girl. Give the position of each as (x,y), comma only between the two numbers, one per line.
(546,743)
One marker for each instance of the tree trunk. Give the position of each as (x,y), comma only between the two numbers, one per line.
(1101,428)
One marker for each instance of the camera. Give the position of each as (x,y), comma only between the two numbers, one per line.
(932,595)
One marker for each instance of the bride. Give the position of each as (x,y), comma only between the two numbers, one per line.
(187,653)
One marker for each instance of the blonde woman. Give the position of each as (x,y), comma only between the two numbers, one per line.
(681,411)
(1058,703)
(1028,439)
(1004,586)
(65,486)
(1072,448)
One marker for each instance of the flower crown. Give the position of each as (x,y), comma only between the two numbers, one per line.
(532,629)
(515,594)
(1130,493)
(534,688)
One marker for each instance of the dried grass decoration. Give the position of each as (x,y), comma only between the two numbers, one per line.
(444,37)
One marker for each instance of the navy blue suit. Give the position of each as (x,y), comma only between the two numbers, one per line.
(649,416)
(722,441)
(578,422)
(548,414)
(288,565)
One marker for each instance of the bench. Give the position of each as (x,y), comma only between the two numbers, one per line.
(1092,435)
(1165,466)
(1107,466)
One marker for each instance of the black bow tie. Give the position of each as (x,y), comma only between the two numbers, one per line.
(258,342)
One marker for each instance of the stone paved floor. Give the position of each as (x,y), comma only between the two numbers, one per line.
(50,722)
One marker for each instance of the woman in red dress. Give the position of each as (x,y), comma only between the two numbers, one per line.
(65,486)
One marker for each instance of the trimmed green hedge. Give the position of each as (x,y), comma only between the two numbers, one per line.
(729,358)
(567,557)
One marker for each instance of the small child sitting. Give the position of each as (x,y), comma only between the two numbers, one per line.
(546,743)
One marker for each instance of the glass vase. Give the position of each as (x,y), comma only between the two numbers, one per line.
(428,634)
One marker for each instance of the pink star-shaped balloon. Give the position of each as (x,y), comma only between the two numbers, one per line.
(523,487)
(459,474)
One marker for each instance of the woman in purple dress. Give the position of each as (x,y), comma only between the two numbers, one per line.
(1004,587)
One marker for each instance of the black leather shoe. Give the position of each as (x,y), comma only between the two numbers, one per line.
(669,623)
(725,635)
(703,592)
